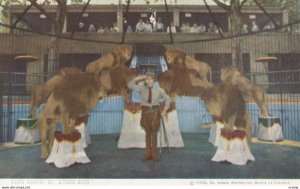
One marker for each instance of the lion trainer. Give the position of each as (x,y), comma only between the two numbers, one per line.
(150,93)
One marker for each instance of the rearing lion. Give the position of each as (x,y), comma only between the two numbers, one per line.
(41,92)
(226,103)
(74,96)
(231,74)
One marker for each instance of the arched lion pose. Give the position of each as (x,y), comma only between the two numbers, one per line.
(75,96)
(226,104)
(177,57)
(177,81)
(247,88)
(120,76)
(41,92)
(119,55)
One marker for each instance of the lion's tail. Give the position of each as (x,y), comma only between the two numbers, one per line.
(39,123)
(210,74)
(33,101)
(248,129)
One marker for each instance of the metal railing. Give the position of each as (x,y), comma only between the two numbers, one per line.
(15,91)
(283,99)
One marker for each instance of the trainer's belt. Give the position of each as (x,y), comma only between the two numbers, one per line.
(146,109)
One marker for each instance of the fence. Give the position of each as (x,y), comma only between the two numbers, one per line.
(283,95)
(15,91)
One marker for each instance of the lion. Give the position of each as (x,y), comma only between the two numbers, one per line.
(124,53)
(74,96)
(120,76)
(177,57)
(40,93)
(119,55)
(246,87)
(178,81)
(226,104)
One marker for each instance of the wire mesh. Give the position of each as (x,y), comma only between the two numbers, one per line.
(279,78)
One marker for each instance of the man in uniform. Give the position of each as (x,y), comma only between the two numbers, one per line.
(151,94)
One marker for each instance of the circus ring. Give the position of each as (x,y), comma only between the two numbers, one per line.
(273,160)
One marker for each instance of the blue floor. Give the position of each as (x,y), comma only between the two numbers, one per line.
(192,161)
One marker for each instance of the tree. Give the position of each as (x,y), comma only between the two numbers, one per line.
(234,12)
(57,28)
(57,24)
(4,4)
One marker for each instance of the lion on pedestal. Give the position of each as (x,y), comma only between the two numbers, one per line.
(74,96)
(226,104)
(223,101)
(246,87)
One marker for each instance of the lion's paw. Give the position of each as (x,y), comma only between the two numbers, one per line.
(44,156)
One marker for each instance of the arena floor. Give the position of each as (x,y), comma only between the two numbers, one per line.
(193,161)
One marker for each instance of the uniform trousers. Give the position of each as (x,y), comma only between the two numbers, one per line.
(150,121)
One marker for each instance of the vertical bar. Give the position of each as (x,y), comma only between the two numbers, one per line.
(1,109)
(5,109)
(82,12)
(168,21)
(125,29)
(9,107)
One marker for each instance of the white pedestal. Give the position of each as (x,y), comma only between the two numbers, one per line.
(215,133)
(67,150)
(133,135)
(27,131)
(269,129)
(85,134)
(233,147)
